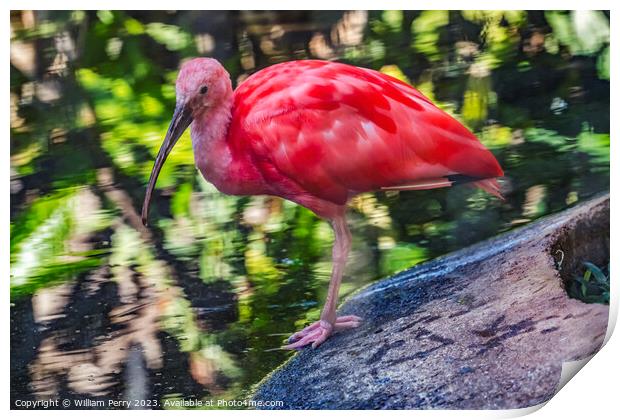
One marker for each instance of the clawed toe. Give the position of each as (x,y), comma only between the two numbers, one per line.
(316,333)
(303,333)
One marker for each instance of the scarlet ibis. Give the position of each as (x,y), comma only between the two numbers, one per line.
(318,133)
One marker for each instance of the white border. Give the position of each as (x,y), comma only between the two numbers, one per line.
(591,395)
(315,5)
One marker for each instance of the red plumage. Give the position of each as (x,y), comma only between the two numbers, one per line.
(332,130)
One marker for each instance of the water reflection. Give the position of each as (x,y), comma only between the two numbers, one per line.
(194,305)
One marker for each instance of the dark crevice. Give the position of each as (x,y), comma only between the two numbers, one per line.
(585,241)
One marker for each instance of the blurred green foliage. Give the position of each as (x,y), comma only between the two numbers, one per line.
(93,91)
(592,286)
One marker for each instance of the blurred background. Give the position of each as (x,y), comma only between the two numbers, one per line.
(195,305)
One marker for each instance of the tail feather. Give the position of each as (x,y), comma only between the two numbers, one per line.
(425,184)
(489,185)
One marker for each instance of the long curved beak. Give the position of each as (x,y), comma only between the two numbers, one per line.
(181,119)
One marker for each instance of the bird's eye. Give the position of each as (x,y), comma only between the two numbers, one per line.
(203,90)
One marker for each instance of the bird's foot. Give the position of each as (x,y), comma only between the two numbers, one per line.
(318,332)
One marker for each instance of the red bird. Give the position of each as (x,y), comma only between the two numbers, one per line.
(318,133)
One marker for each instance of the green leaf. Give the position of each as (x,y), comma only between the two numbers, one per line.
(173,37)
(31,220)
(594,270)
(41,250)
(603,63)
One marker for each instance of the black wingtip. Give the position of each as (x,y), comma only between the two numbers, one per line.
(459,179)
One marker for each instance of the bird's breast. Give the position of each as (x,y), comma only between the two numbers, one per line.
(229,174)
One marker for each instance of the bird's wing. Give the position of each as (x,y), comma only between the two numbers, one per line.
(338,130)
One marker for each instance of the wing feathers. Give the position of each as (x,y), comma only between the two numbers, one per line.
(336,129)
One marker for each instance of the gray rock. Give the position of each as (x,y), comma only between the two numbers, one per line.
(487,327)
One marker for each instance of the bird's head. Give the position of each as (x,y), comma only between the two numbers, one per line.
(202,84)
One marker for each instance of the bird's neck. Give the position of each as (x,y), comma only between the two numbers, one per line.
(209,132)
(230,172)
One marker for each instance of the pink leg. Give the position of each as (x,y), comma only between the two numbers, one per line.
(319,331)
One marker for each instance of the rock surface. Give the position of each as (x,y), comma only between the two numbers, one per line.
(487,327)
